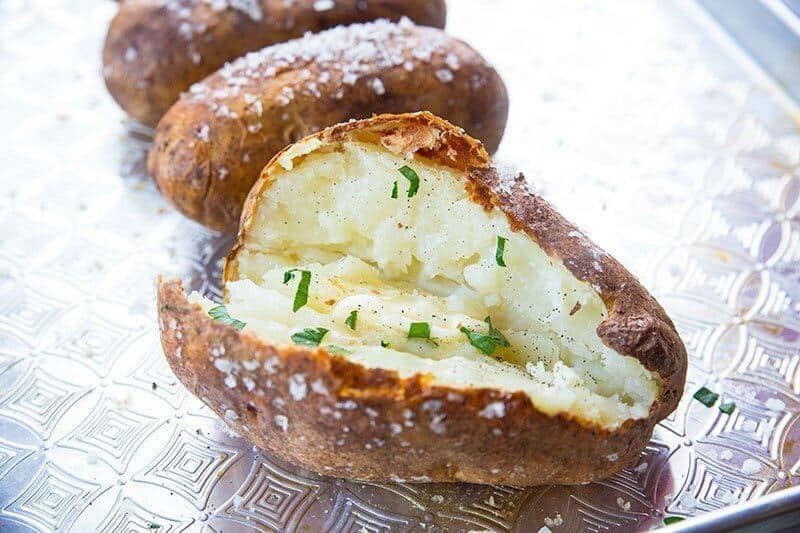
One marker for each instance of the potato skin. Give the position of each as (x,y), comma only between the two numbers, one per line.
(211,145)
(156,50)
(370,424)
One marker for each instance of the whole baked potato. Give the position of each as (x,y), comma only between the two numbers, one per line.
(156,49)
(211,145)
(398,308)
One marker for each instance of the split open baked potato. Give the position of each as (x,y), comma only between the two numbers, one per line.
(398,308)
(156,49)
(211,146)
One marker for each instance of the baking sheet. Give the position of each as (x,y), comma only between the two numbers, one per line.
(629,116)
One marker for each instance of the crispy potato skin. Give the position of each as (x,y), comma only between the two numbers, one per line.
(449,439)
(170,58)
(371,424)
(190,173)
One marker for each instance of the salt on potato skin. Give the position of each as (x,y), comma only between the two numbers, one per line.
(258,104)
(353,420)
(156,49)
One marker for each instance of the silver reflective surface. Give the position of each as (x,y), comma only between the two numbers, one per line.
(627,115)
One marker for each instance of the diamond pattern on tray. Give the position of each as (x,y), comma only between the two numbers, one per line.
(53,498)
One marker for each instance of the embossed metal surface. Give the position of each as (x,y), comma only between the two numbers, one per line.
(627,115)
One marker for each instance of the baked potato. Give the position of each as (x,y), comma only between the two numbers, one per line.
(399,309)
(211,145)
(156,49)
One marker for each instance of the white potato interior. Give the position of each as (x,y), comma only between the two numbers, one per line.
(429,258)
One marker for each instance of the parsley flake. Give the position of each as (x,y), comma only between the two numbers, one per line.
(412,178)
(351,319)
(673,519)
(419,330)
(337,350)
(220,314)
(384,344)
(706,397)
(394,190)
(309,336)
(727,407)
(487,343)
(498,254)
(301,296)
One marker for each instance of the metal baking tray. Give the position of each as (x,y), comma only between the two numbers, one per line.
(664,129)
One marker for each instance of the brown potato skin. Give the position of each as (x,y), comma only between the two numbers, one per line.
(164,67)
(349,426)
(187,171)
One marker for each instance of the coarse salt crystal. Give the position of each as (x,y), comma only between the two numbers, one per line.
(444,75)
(252,8)
(775,404)
(318,386)
(452,61)
(185,29)
(324,5)
(282,422)
(297,387)
(131,54)
(493,410)
(223,365)
(377,86)
(349,78)
(751,466)
(271,365)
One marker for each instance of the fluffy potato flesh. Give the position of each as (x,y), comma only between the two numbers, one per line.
(430,258)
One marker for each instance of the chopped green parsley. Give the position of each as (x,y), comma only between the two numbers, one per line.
(301,296)
(337,350)
(498,254)
(419,330)
(412,178)
(220,314)
(351,319)
(486,342)
(706,397)
(309,336)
